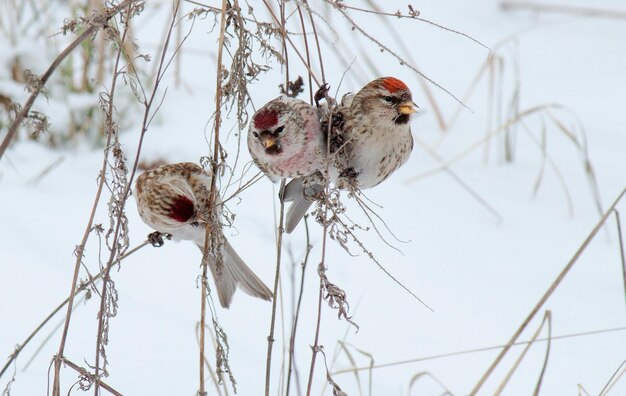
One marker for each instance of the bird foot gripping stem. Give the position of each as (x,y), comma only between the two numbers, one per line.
(156,238)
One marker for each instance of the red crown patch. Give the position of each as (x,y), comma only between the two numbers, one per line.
(265,119)
(392,84)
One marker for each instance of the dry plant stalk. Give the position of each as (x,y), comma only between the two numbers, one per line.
(296,316)
(617,375)
(547,320)
(548,292)
(56,390)
(426,374)
(211,231)
(622,251)
(475,350)
(561,9)
(280,230)
(86,380)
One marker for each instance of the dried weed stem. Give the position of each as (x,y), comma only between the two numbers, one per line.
(210,228)
(294,327)
(56,390)
(280,230)
(548,293)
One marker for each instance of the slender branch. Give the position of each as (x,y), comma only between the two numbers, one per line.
(93,378)
(201,389)
(548,293)
(415,16)
(393,53)
(321,266)
(106,277)
(461,182)
(281,216)
(315,347)
(270,337)
(56,387)
(621,247)
(563,9)
(547,319)
(94,24)
(475,350)
(308,54)
(291,43)
(317,41)
(617,374)
(209,227)
(294,327)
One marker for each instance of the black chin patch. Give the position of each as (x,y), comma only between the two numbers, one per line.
(401,119)
(274,150)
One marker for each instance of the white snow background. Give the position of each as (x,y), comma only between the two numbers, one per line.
(481,277)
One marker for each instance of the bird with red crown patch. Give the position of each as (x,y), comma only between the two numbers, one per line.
(175,199)
(370,142)
(376,131)
(285,138)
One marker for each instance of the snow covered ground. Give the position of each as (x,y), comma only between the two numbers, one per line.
(481,277)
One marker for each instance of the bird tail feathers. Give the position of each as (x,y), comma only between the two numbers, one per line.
(235,273)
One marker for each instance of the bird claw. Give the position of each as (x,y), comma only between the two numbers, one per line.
(156,238)
(321,93)
(348,179)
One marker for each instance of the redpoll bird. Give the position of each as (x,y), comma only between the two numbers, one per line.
(285,139)
(174,199)
(370,139)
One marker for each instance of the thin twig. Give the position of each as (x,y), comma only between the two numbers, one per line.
(322,265)
(562,9)
(280,230)
(348,231)
(114,248)
(211,228)
(317,42)
(285,35)
(614,378)
(416,17)
(461,182)
(394,54)
(621,247)
(315,347)
(93,378)
(56,387)
(547,318)
(294,327)
(270,337)
(477,350)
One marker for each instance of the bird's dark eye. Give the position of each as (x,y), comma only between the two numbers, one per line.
(256,135)
(280,129)
(388,99)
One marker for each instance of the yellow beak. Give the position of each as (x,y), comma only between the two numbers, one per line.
(269,142)
(407,108)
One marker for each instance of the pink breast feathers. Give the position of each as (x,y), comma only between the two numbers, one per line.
(182,209)
(265,119)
